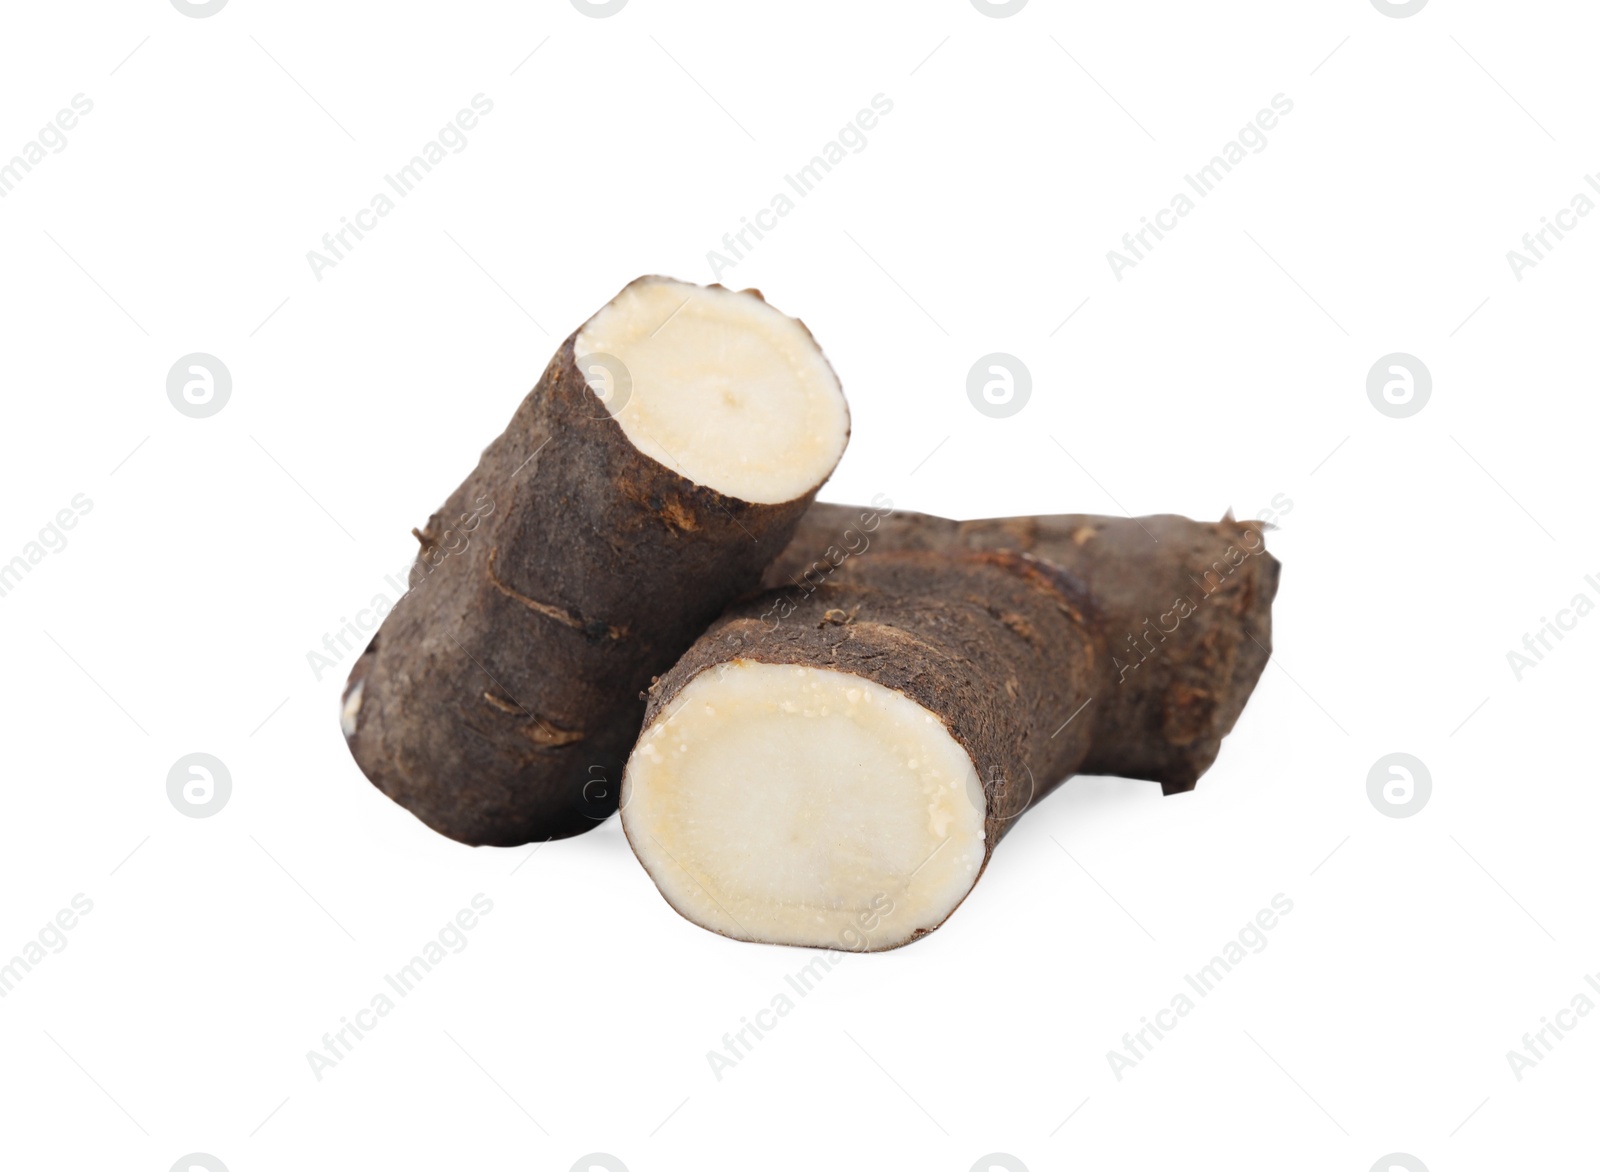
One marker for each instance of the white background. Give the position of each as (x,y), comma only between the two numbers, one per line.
(1226,369)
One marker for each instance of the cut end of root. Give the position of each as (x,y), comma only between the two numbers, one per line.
(718,386)
(808,806)
(350,709)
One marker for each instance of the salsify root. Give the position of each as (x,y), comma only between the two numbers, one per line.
(598,536)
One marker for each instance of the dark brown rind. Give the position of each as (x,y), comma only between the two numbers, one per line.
(1186,607)
(1001,647)
(501,695)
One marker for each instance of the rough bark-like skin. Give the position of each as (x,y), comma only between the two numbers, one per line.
(500,697)
(1186,607)
(1003,648)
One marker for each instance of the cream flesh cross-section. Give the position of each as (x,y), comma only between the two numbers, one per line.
(804,805)
(720,387)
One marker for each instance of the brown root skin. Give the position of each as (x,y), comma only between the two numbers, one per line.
(1001,647)
(500,697)
(1186,607)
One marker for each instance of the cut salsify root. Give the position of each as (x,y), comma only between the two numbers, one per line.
(839,778)
(598,536)
(834,762)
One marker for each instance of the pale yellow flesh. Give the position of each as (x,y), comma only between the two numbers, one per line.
(725,390)
(804,806)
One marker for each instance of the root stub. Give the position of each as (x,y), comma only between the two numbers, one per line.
(838,779)
(659,465)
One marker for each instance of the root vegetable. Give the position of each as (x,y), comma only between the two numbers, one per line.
(833,762)
(598,536)
(1187,608)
